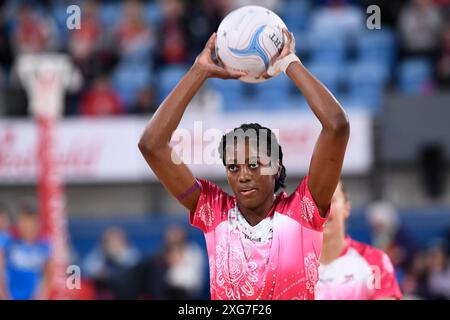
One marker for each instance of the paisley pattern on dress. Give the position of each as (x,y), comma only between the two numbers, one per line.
(234,275)
(308,208)
(311,264)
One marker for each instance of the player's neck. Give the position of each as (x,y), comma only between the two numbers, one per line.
(256,215)
(332,248)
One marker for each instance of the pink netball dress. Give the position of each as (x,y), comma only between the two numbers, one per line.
(276,259)
(361,272)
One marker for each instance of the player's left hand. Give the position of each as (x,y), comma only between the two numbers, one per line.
(288,48)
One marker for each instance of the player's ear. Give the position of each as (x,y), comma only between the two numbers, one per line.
(277,170)
(278,166)
(348,209)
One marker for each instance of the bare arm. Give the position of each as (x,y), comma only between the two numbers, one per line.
(328,155)
(154,142)
(43,290)
(4,295)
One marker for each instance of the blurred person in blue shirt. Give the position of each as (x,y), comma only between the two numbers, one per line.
(24,260)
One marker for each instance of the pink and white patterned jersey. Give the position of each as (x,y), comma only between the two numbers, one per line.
(276,259)
(361,272)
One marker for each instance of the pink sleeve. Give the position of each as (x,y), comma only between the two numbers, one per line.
(301,206)
(386,285)
(212,206)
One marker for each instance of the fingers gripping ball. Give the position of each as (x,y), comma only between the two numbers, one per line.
(286,57)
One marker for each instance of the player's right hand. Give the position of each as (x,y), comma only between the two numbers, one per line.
(207,63)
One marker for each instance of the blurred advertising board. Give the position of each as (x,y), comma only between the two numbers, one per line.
(105,150)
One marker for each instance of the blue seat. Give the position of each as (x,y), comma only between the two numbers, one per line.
(295,14)
(376,46)
(366,83)
(301,42)
(327,73)
(129,78)
(169,76)
(414,75)
(231,92)
(153,14)
(274,93)
(141,55)
(327,47)
(59,14)
(110,13)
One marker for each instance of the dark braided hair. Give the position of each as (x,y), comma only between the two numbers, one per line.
(271,138)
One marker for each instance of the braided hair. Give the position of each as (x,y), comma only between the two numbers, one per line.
(271,139)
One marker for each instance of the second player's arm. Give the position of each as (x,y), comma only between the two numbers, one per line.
(154,142)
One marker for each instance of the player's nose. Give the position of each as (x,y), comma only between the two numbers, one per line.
(244,175)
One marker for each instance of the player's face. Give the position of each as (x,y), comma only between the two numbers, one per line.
(340,210)
(28,227)
(250,183)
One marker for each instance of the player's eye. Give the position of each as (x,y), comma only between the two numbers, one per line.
(232,168)
(253,165)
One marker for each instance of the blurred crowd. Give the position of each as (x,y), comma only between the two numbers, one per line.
(422,269)
(115,269)
(130,53)
(119,271)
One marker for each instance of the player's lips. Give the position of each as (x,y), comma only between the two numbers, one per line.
(247,191)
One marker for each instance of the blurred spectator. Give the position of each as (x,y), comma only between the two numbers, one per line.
(185,263)
(413,285)
(337,16)
(438,282)
(389,10)
(33,32)
(173,36)
(87,40)
(447,240)
(176,272)
(389,235)
(3,91)
(145,102)
(428,276)
(420,25)
(106,263)
(134,35)
(204,19)
(5,45)
(269,4)
(101,99)
(5,220)
(443,64)
(24,260)
(4,236)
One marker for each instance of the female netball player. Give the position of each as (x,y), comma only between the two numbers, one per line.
(351,270)
(260,245)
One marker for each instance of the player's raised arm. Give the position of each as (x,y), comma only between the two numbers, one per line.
(328,156)
(154,142)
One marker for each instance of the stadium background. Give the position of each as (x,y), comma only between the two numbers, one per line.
(394,82)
